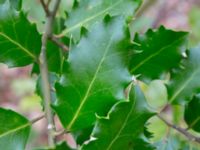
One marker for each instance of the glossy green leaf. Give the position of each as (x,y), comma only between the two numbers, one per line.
(19,41)
(124,125)
(157,52)
(185,83)
(87,12)
(14,130)
(95,75)
(20,44)
(192,113)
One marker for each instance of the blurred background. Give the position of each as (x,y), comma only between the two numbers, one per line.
(17,85)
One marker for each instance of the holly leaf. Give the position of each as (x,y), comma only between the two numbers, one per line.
(20,44)
(85,87)
(156,52)
(87,12)
(124,125)
(14,130)
(192,113)
(185,83)
(19,41)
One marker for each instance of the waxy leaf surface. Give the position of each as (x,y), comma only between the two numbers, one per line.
(95,75)
(87,12)
(157,52)
(124,125)
(19,41)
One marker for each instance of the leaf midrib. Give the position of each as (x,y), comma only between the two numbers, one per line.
(155,54)
(18,45)
(90,86)
(67,30)
(182,87)
(123,126)
(15,129)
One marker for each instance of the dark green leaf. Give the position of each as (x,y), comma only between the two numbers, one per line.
(192,113)
(19,41)
(83,135)
(95,75)
(157,52)
(14,130)
(88,12)
(123,127)
(185,82)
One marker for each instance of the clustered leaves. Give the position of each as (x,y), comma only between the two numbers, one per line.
(97,96)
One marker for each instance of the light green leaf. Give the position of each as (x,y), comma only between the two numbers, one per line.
(185,83)
(156,52)
(14,130)
(95,75)
(15,4)
(87,12)
(124,126)
(155,93)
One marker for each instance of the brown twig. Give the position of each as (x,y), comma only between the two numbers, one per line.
(37,119)
(48,2)
(180,130)
(45,7)
(60,44)
(45,76)
(59,133)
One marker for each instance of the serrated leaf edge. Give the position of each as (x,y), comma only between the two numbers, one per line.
(67,30)
(155,54)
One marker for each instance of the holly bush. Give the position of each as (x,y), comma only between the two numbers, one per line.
(110,91)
